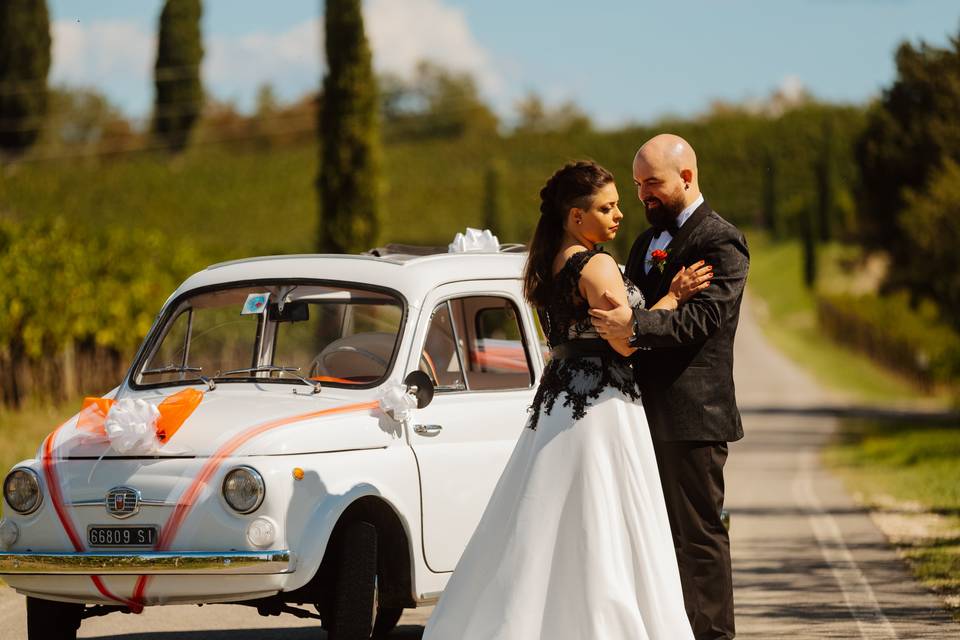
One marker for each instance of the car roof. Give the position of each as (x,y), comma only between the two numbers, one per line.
(411,275)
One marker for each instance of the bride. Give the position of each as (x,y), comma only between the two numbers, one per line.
(575,543)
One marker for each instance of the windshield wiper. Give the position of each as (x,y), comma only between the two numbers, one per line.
(172,368)
(270,368)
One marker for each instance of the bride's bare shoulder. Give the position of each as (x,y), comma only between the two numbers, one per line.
(564,255)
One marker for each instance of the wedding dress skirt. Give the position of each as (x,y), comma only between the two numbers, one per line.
(574,543)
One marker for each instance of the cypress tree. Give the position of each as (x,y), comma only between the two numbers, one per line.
(349,135)
(770,215)
(809,233)
(179,96)
(24,64)
(823,170)
(493,209)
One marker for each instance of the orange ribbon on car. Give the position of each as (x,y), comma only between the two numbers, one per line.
(189,497)
(174,411)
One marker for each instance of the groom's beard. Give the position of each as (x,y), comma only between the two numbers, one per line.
(666,212)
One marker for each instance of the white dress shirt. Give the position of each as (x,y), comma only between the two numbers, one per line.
(665,238)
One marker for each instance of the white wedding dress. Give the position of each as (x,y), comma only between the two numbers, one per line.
(575,543)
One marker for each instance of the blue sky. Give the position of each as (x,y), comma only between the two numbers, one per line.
(621,60)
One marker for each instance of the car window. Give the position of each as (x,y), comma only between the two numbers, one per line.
(349,343)
(274,332)
(440,358)
(203,342)
(477,343)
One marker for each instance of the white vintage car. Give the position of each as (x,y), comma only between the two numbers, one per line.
(249,456)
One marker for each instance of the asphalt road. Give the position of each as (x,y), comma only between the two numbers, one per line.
(808,562)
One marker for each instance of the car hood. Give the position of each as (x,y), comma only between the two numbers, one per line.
(252,420)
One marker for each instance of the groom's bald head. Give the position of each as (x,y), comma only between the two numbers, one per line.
(665,172)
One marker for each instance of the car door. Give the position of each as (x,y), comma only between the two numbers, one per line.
(478,345)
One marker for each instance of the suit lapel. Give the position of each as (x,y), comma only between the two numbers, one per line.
(676,244)
(635,263)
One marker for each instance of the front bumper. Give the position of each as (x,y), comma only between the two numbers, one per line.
(172,563)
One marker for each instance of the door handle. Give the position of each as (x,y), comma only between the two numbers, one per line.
(427,429)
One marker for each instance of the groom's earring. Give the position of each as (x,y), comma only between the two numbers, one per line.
(579,220)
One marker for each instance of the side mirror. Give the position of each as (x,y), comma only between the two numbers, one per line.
(421,386)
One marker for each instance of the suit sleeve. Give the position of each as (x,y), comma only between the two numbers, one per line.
(701,316)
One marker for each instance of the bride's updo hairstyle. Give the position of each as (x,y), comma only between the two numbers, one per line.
(572,186)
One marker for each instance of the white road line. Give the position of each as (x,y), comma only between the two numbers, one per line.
(857,592)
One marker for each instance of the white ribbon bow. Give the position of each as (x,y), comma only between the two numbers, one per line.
(474,240)
(398,403)
(131,426)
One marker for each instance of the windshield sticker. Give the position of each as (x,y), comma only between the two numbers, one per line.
(256,303)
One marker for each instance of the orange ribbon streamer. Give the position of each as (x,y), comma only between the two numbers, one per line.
(174,411)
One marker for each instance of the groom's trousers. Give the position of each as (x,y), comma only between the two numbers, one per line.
(692,478)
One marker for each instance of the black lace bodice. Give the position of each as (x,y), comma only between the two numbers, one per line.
(578,380)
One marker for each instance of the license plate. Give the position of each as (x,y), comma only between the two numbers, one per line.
(125,536)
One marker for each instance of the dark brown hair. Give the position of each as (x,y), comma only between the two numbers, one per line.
(571,186)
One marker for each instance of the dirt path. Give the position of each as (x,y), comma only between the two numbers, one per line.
(808,563)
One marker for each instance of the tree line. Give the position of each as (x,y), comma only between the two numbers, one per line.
(885,175)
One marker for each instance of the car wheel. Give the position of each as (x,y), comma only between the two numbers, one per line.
(387,619)
(49,620)
(355,597)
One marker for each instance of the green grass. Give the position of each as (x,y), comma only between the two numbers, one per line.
(21,432)
(908,461)
(787,314)
(916,465)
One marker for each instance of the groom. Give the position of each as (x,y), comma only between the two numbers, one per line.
(684,368)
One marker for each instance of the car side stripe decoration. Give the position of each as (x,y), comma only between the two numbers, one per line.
(169,530)
(56,497)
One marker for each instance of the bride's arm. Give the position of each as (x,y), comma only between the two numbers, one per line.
(601,285)
(688,282)
(615,321)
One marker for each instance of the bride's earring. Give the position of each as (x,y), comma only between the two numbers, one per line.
(686,186)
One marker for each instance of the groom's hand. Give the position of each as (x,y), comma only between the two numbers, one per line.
(615,323)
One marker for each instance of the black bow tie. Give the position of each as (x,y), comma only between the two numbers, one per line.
(672,229)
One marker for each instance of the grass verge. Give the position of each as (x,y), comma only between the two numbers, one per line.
(786,311)
(21,432)
(908,474)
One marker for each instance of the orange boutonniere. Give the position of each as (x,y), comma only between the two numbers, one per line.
(658,259)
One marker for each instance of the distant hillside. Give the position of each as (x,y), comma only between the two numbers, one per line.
(240,201)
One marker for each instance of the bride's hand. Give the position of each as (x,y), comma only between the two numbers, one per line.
(690,281)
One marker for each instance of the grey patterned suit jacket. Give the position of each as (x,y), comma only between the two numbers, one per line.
(685,365)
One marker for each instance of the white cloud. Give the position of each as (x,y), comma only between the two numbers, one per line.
(404,33)
(115,56)
(118,56)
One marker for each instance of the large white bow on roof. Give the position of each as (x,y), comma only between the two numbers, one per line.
(474,240)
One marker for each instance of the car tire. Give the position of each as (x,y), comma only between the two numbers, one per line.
(49,620)
(387,619)
(356,583)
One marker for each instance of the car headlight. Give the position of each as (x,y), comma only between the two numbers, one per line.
(21,489)
(243,489)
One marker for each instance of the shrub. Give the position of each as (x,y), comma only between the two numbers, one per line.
(912,341)
(78,303)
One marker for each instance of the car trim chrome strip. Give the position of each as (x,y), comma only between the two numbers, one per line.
(148,563)
(99,502)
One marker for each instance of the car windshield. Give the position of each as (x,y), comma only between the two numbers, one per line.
(276,332)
